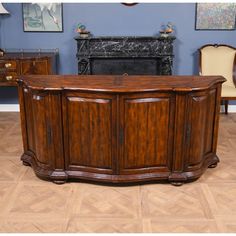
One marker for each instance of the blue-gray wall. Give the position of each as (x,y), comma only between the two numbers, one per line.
(104,19)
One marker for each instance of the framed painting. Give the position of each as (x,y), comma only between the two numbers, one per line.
(215,16)
(42,17)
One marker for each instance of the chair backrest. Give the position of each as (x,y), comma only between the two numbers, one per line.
(218,59)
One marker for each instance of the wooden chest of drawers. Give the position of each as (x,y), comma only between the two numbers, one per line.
(15,64)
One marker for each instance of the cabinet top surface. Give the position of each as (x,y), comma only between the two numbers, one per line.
(123,37)
(26,55)
(121,84)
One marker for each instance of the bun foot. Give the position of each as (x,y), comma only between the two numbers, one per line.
(25,163)
(177,179)
(59,177)
(59,181)
(177,184)
(213,165)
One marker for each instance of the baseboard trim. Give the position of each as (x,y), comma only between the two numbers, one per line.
(9,108)
(231,108)
(16,108)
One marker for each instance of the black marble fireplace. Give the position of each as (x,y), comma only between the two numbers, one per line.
(125,55)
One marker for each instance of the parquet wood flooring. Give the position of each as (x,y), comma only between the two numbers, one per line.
(28,204)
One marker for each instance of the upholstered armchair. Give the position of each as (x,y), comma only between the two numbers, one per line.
(219,59)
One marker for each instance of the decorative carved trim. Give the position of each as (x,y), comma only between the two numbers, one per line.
(60,176)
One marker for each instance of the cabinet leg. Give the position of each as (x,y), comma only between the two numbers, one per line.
(226,106)
(213,165)
(59,181)
(177,179)
(59,177)
(25,163)
(177,184)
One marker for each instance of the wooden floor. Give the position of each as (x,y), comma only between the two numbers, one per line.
(28,204)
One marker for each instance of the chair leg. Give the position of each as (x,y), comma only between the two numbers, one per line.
(226,106)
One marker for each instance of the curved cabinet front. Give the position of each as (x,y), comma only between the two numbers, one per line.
(119,136)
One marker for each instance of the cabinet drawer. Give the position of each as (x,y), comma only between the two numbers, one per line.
(20,63)
(8,64)
(36,67)
(9,76)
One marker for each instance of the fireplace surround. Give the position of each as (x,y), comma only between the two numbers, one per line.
(133,55)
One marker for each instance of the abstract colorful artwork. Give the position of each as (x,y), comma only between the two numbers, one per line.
(42,17)
(215,16)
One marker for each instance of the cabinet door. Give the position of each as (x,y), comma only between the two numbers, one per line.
(90,132)
(35,67)
(146,133)
(200,127)
(38,126)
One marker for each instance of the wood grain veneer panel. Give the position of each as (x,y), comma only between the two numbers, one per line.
(36,67)
(209,128)
(89,128)
(29,120)
(197,124)
(146,132)
(40,108)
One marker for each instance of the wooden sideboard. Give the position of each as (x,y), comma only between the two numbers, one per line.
(120,129)
(16,63)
